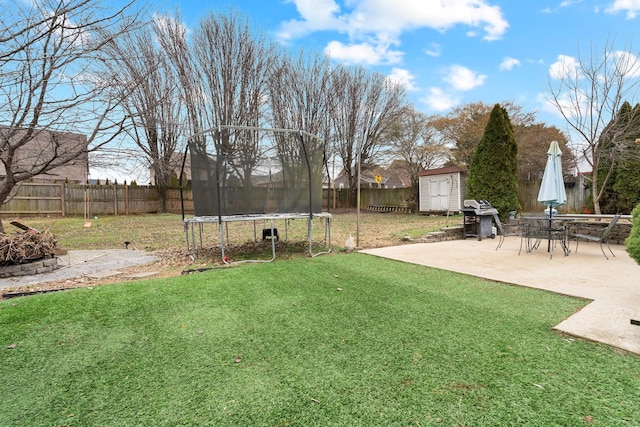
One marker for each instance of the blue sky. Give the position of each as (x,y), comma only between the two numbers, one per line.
(446,53)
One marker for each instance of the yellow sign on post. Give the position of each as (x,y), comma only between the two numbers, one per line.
(378,178)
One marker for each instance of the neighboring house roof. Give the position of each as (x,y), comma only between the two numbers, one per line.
(399,179)
(266,180)
(443,171)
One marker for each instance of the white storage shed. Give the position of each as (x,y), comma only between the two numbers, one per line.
(442,190)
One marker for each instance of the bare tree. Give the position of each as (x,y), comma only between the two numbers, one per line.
(298,98)
(589,92)
(463,127)
(366,105)
(298,93)
(51,52)
(154,105)
(533,143)
(417,144)
(172,34)
(234,62)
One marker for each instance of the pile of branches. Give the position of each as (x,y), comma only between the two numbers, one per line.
(28,246)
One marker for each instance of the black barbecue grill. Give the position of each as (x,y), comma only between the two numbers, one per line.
(478,219)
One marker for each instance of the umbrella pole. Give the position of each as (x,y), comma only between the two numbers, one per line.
(549,241)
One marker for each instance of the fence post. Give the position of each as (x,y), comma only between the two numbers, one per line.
(86,203)
(62,201)
(115,199)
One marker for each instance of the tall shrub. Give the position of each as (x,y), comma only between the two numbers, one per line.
(493,173)
(633,241)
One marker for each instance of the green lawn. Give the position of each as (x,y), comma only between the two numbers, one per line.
(343,340)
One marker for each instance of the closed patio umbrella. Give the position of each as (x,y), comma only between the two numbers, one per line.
(552,192)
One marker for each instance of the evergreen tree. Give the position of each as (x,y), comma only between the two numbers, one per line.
(493,174)
(174,182)
(627,184)
(607,153)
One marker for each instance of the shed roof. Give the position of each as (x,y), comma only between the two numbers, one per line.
(443,171)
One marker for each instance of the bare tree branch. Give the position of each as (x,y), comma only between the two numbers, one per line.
(51,56)
(588,92)
(366,105)
(152,103)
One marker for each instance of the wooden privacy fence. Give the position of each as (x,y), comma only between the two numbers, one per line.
(528,196)
(87,200)
(37,199)
(73,199)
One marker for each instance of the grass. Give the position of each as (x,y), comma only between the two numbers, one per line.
(153,232)
(349,340)
(148,232)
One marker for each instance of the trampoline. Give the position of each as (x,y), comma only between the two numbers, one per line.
(243,173)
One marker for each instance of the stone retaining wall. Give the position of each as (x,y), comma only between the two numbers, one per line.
(618,235)
(44,265)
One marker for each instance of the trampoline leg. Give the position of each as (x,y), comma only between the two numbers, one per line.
(221,229)
(273,243)
(193,241)
(310,235)
(186,235)
(327,237)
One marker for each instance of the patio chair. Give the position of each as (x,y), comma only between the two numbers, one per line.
(602,238)
(505,230)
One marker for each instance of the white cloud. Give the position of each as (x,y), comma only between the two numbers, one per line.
(508,63)
(545,105)
(463,79)
(625,63)
(563,4)
(403,77)
(438,100)
(433,50)
(363,53)
(384,21)
(316,15)
(565,66)
(632,7)
(567,3)
(397,16)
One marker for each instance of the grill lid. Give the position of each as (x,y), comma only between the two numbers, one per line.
(477,204)
(479,207)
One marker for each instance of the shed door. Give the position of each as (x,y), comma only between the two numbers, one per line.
(439,194)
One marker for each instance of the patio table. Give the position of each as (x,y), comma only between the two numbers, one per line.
(554,229)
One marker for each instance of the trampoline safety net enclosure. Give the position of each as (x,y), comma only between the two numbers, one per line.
(241,173)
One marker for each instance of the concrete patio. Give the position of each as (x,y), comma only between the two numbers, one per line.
(613,285)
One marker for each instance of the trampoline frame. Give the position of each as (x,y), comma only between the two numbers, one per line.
(223,220)
(190,225)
